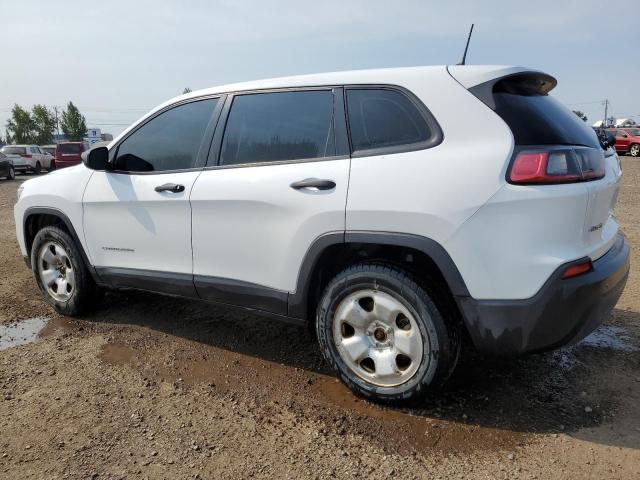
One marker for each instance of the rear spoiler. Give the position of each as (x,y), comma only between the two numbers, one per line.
(482,82)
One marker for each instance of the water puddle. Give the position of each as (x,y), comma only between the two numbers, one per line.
(610,336)
(28,331)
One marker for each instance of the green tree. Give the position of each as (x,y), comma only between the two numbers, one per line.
(44,124)
(580,115)
(73,123)
(186,90)
(21,126)
(7,137)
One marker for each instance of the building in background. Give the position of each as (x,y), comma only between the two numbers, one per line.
(93,136)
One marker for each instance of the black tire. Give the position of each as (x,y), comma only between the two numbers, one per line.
(52,166)
(634,150)
(441,333)
(38,168)
(12,173)
(86,293)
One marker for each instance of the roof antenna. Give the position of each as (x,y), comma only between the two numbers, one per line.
(464,55)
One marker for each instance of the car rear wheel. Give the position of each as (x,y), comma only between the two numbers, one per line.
(12,173)
(384,335)
(635,150)
(61,273)
(38,168)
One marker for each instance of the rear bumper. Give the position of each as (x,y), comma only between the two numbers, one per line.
(563,312)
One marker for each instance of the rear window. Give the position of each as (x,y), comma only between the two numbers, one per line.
(76,148)
(14,150)
(535,118)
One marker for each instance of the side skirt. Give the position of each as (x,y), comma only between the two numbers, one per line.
(233,293)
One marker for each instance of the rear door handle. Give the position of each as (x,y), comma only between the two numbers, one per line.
(170,187)
(320,184)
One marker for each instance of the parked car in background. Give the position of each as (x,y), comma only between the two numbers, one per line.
(6,167)
(27,158)
(503,233)
(627,141)
(50,149)
(68,153)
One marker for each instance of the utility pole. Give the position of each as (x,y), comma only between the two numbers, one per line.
(606,108)
(55,109)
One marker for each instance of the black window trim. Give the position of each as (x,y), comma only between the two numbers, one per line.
(205,144)
(341,151)
(436,138)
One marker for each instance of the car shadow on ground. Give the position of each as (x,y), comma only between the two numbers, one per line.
(567,391)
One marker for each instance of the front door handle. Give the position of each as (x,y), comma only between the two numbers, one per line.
(170,187)
(318,183)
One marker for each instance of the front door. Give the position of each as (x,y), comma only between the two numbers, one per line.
(137,218)
(277,186)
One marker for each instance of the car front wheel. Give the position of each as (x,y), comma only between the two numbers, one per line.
(61,273)
(12,173)
(635,150)
(384,335)
(38,168)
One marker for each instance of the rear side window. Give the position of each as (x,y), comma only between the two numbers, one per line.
(169,141)
(380,118)
(535,118)
(71,148)
(279,126)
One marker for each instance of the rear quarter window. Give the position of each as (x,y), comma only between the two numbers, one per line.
(386,118)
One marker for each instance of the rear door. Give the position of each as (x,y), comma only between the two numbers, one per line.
(276,181)
(137,218)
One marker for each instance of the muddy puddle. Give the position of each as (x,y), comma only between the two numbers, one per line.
(493,409)
(29,330)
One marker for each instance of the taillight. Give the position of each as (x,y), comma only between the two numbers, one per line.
(577,269)
(557,165)
(25,155)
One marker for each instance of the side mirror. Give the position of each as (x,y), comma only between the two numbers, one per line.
(97,158)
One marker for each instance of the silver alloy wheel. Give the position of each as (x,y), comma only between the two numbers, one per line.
(635,150)
(378,338)
(56,271)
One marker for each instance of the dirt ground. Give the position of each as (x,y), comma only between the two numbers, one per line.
(157,387)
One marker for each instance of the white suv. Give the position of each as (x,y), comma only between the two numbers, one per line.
(28,158)
(397,210)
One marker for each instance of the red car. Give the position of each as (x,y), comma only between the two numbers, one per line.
(68,153)
(627,140)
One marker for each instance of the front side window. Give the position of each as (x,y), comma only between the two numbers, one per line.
(381,118)
(169,141)
(279,126)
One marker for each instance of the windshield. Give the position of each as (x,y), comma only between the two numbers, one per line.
(14,150)
(75,148)
(50,150)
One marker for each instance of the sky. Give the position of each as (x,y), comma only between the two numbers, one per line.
(118,59)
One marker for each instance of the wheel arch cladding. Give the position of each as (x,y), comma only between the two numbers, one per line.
(35,218)
(333,251)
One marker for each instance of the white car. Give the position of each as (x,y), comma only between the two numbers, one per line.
(28,158)
(395,210)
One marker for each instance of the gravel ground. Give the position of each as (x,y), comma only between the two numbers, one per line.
(156,387)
